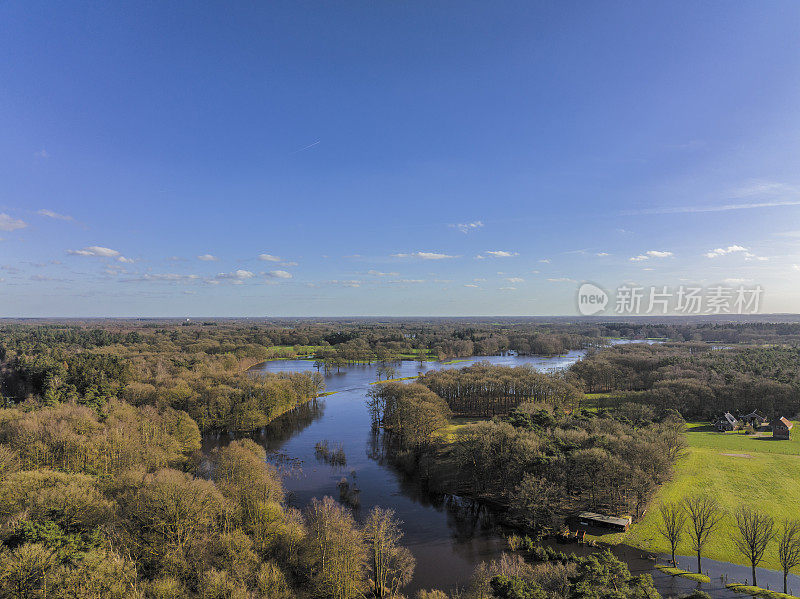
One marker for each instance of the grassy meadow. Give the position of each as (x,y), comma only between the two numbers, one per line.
(737,469)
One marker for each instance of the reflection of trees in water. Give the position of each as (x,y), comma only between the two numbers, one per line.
(287,426)
(272,436)
(465,517)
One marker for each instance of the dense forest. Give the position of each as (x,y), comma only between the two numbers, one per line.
(697,380)
(104,491)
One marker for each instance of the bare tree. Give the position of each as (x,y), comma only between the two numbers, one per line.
(704,514)
(789,548)
(755,532)
(391,565)
(673,521)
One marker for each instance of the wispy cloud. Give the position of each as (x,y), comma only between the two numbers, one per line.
(562,280)
(734,249)
(515,279)
(269,258)
(731,249)
(721,208)
(237,277)
(467,227)
(97,251)
(425,256)
(207,258)
(278,274)
(771,194)
(308,147)
(8,223)
(497,254)
(42,154)
(378,273)
(50,214)
(601,254)
(651,254)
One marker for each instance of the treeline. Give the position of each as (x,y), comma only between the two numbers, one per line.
(485,390)
(696,379)
(213,388)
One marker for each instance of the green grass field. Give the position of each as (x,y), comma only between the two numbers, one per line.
(758,472)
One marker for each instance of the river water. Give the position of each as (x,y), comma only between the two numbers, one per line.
(448,536)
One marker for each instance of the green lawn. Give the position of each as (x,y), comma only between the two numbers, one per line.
(766,480)
(448,433)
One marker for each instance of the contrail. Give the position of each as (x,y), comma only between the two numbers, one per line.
(307,147)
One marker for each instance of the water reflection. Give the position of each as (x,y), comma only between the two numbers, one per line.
(448,535)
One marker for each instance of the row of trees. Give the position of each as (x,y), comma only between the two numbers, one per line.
(484,389)
(700,516)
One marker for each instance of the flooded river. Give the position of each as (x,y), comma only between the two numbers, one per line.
(448,536)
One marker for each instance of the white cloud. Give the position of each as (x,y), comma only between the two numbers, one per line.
(236,276)
(731,249)
(602,254)
(55,215)
(207,258)
(515,279)
(404,281)
(651,254)
(278,274)
(501,253)
(351,283)
(42,154)
(467,227)
(737,281)
(796,266)
(562,280)
(545,260)
(378,273)
(169,276)
(11,224)
(508,288)
(125,260)
(471,285)
(95,250)
(425,256)
(269,258)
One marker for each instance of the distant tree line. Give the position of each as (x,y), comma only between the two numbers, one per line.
(696,380)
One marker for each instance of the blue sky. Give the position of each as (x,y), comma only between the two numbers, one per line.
(393,158)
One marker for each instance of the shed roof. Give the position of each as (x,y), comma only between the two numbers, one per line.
(787,423)
(625,521)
